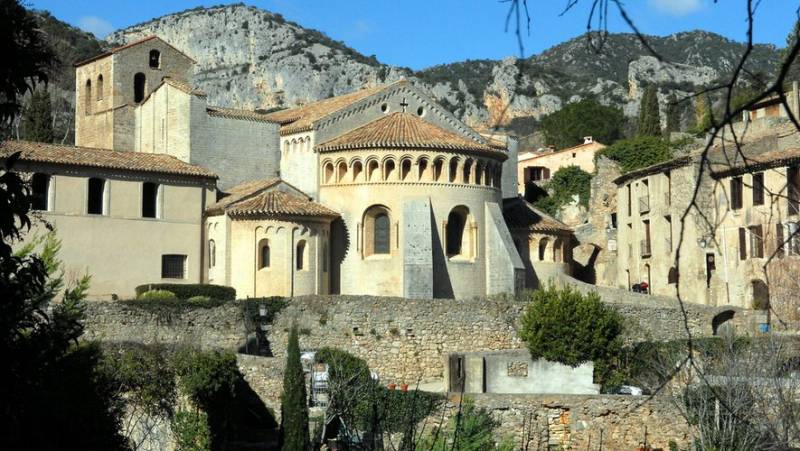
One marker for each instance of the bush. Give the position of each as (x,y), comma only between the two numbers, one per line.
(186,291)
(636,153)
(566,182)
(157,295)
(472,428)
(565,326)
(190,431)
(199,300)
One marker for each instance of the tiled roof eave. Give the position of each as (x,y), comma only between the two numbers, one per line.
(88,165)
(753,166)
(239,213)
(417,146)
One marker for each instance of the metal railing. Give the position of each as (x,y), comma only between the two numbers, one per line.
(644,204)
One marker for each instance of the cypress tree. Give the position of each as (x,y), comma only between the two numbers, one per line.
(649,116)
(294,409)
(702,113)
(37,118)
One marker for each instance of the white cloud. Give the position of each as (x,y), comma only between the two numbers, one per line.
(95,25)
(678,7)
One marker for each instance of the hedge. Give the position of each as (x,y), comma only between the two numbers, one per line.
(186,291)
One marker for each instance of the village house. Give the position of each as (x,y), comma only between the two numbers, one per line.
(539,166)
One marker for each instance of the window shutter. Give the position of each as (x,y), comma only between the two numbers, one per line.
(742,244)
(779,252)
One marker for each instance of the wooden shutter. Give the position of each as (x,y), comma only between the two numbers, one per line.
(779,240)
(742,244)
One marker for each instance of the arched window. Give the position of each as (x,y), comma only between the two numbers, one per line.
(300,256)
(358,168)
(422,169)
(542,249)
(87,104)
(467,171)
(212,254)
(139,82)
(100,87)
(328,172)
(373,174)
(377,231)
(437,169)
(453,170)
(455,232)
(672,275)
(405,169)
(498,176)
(388,169)
(558,245)
(263,254)
(342,172)
(478,173)
(41,191)
(489,176)
(155,59)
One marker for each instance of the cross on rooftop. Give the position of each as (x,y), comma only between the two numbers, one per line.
(404,104)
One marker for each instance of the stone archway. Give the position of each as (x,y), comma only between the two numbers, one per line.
(722,323)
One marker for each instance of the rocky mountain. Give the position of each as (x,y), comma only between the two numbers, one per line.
(251,58)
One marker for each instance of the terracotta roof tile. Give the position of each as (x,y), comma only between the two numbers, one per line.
(260,198)
(406,131)
(102,158)
(519,214)
(231,113)
(302,118)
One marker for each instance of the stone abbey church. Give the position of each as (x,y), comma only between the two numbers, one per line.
(377,192)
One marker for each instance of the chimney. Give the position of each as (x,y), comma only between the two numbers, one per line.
(587,140)
(551,147)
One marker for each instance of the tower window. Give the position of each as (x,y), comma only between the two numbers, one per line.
(212,254)
(263,254)
(139,82)
(100,87)
(377,231)
(155,59)
(87,107)
(301,255)
(456,224)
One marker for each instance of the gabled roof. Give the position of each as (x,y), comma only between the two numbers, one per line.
(127,46)
(232,113)
(519,214)
(102,158)
(264,198)
(533,155)
(302,118)
(404,131)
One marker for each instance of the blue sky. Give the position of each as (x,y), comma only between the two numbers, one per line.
(422,33)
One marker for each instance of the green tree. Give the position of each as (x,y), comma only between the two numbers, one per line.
(567,126)
(702,114)
(635,153)
(649,117)
(565,183)
(565,326)
(37,118)
(294,407)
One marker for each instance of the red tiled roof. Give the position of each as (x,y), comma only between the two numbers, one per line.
(260,198)
(101,158)
(405,131)
(128,45)
(519,214)
(231,113)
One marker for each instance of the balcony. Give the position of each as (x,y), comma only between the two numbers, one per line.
(644,248)
(644,204)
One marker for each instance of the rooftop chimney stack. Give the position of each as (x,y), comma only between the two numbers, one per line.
(587,140)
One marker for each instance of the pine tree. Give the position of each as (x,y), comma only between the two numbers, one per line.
(37,118)
(294,409)
(673,114)
(649,116)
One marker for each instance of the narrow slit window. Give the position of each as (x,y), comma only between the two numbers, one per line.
(41,192)
(96,196)
(149,200)
(758,188)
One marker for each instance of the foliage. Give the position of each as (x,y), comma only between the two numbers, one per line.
(37,118)
(200,300)
(147,377)
(565,326)
(186,291)
(702,114)
(636,153)
(471,429)
(673,114)
(567,126)
(649,117)
(190,431)
(294,408)
(27,58)
(565,183)
(251,310)
(157,295)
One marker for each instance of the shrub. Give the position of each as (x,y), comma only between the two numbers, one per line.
(190,431)
(157,295)
(186,291)
(566,182)
(471,429)
(199,299)
(565,326)
(636,153)
(568,126)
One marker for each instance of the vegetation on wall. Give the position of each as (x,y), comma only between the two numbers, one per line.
(565,326)
(639,152)
(189,290)
(471,428)
(566,183)
(567,126)
(649,123)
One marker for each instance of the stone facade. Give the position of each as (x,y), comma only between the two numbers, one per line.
(540,166)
